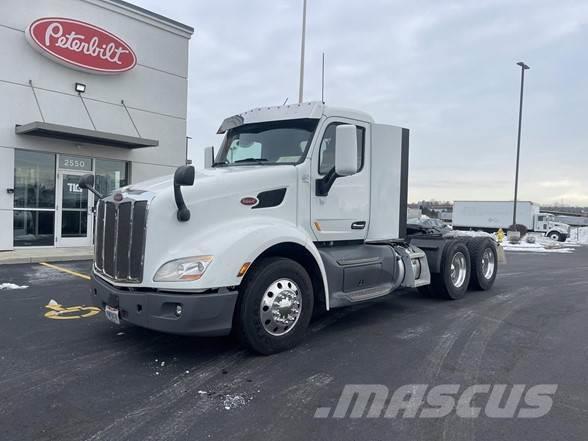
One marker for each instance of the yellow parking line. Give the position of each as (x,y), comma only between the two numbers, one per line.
(65,270)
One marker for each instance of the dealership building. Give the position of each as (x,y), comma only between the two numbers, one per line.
(86,86)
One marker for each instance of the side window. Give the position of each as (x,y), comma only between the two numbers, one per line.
(327,148)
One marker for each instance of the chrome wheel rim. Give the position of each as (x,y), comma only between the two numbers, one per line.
(280,307)
(458,269)
(488,263)
(554,237)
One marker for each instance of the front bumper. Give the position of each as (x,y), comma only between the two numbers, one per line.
(202,314)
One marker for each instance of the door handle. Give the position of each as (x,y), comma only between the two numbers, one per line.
(359,225)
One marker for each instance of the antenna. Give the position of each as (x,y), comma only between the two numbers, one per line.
(285,101)
(323,81)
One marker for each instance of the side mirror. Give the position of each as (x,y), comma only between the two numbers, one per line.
(86,182)
(346,150)
(183,176)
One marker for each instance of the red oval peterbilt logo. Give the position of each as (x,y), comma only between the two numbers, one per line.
(80,45)
(249,201)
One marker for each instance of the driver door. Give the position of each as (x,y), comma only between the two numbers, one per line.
(343,214)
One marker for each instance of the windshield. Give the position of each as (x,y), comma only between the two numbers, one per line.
(267,143)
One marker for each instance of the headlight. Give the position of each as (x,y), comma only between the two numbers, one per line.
(185,269)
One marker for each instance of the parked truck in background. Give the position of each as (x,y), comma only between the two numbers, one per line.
(304,207)
(492,215)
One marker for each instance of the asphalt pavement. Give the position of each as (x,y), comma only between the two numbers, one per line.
(68,374)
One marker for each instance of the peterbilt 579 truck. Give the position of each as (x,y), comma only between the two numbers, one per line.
(303,208)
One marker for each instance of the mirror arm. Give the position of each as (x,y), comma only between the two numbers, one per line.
(184,175)
(183,213)
(86,182)
(323,185)
(93,190)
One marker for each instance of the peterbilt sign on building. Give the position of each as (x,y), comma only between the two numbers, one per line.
(80,45)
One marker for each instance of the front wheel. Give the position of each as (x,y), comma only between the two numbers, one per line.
(275,305)
(554,235)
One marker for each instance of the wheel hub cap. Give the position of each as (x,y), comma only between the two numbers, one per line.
(458,270)
(280,307)
(488,263)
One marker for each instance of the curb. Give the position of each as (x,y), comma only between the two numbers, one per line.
(24,260)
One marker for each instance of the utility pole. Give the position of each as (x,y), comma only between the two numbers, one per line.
(524,67)
(301,88)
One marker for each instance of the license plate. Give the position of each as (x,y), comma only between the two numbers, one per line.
(112,314)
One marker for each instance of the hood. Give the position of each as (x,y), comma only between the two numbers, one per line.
(220,177)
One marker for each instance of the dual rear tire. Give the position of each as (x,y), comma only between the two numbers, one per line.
(464,265)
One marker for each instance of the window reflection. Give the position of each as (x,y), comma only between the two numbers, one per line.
(34,179)
(33,228)
(110,175)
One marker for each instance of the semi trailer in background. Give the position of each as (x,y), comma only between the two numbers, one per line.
(492,215)
(303,208)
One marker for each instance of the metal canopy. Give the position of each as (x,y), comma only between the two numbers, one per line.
(83,136)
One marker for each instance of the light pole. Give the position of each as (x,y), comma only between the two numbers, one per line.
(524,67)
(301,85)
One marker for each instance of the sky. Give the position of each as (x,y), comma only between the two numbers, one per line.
(444,69)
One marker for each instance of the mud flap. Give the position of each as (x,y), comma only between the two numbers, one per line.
(501,255)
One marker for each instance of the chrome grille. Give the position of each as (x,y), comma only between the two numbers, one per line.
(120,239)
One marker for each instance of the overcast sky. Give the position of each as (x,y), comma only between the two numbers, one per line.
(444,69)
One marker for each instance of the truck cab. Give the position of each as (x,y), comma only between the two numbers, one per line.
(546,223)
(303,207)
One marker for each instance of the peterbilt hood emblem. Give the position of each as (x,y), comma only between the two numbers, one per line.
(118,196)
(249,201)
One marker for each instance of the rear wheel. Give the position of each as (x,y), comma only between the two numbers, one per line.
(275,305)
(453,280)
(484,261)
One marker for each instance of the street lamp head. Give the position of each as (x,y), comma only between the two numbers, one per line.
(523,65)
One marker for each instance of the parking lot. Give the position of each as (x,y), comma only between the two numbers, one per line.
(68,374)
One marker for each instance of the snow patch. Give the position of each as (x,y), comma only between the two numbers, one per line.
(235,401)
(461,233)
(12,286)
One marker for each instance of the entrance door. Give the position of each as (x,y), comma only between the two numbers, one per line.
(74,220)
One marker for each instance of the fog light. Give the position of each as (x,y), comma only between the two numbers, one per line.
(179,310)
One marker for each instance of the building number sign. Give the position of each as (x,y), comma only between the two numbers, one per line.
(75,163)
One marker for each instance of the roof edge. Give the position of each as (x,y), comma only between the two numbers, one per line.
(151,14)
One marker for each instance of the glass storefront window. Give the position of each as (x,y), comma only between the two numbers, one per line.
(34,179)
(34,198)
(33,228)
(110,175)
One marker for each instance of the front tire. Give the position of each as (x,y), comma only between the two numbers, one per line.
(484,260)
(554,235)
(275,305)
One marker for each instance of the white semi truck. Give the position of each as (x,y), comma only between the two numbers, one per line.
(303,208)
(492,215)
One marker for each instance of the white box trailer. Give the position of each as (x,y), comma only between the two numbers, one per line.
(492,215)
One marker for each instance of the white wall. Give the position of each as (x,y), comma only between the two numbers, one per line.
(6,200)
(155,91)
